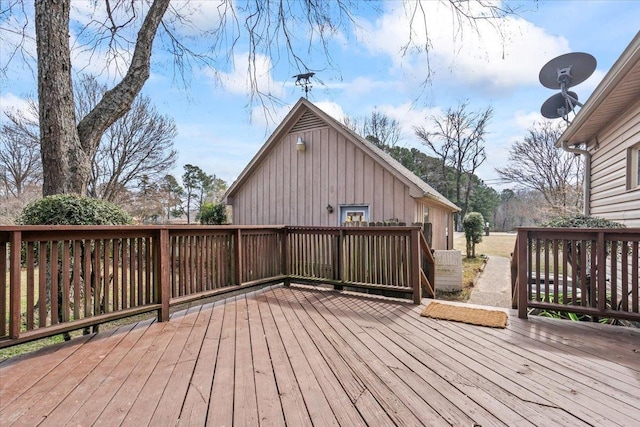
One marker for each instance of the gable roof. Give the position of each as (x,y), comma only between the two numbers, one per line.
(304,115)
(618,90)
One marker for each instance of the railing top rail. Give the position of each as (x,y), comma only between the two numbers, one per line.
(26,228)
(364,228)
(51,232)
(629,230)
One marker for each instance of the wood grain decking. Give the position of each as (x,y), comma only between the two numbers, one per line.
(299,356)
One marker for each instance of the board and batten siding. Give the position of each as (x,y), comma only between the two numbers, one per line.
(442,223)
(610,197)
(294,188)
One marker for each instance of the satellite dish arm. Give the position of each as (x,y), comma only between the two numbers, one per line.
(574,101)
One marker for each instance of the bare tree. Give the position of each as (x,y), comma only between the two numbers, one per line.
(381,130)
(272,28)
(146,201)
(519,208)
(138,144)
(536,164)
(458,141)
(19,153)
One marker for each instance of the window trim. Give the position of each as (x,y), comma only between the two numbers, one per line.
(633,167)
(344,209)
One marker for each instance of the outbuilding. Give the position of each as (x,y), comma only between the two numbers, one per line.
(314,171)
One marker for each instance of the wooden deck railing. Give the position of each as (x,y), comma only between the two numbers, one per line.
(63,278)
(583,271)
(387,258)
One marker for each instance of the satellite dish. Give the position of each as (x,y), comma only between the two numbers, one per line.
(567,70)
(558,106)
(562,73)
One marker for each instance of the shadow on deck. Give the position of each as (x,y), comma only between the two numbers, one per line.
(303,356)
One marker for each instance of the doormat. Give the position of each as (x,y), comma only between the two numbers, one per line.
(473,316)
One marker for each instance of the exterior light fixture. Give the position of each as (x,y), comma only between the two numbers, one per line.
(330,209)
(300,145)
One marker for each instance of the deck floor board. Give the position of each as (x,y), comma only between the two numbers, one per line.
(301,356)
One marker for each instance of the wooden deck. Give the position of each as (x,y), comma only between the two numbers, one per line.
(300,356)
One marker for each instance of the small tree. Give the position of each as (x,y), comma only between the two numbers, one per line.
(473,224)
(212,214)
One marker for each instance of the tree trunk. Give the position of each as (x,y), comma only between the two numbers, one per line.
(67,149)
(60,144)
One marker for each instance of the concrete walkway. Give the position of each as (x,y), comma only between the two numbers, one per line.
(493,287)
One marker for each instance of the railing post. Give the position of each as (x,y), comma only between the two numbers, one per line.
(285,256)
(238,256)
(602,270)
(523,293)
(15,254)
(340,259)
(162,269)
(415,265)
(514,275)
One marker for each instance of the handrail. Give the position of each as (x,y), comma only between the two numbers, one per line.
(582,271)
(428,278)
(63,278)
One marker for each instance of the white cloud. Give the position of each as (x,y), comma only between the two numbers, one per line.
(524,120)
(364,85)
(501,55)
(12,103)
(248,76)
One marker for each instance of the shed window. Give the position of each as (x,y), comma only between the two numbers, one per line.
(633,167)
(354,213)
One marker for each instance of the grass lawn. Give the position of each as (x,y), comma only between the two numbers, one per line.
(499,244)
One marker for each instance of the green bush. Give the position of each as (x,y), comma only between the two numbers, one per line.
(212,214)
(67,209)
(473,224)
(582,221)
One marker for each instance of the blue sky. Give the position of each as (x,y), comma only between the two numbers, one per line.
(220,130)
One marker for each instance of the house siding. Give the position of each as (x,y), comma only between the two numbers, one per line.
(609,195)
(294,188)
(439,221)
